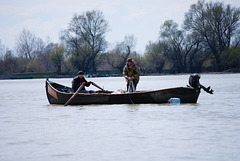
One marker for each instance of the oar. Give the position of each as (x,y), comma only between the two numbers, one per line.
(82,85)
(97,86)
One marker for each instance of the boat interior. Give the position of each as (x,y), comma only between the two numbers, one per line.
(66,89)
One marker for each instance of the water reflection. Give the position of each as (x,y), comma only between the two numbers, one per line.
(133,107)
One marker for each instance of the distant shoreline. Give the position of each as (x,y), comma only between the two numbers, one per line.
(55,75)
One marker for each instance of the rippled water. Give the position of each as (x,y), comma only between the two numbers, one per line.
(31,129)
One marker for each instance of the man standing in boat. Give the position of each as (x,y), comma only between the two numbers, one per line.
(131,73)
(78,80)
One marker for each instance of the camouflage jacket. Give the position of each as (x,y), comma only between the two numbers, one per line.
(131,71)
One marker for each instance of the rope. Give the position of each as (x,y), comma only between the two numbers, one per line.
(131,86)
(130,98)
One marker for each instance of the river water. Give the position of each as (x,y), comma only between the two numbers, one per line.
(33,130)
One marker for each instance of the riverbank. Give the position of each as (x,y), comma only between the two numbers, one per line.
(100,74)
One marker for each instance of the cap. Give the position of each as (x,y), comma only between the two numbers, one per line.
(129,60)
(80,72)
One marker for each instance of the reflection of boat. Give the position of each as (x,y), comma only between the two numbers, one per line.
(59,94)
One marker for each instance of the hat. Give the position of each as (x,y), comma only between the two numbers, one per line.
(80,72)
(129,60)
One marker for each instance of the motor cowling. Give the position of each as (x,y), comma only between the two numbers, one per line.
(194,80)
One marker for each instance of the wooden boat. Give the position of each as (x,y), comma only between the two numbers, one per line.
(60,94)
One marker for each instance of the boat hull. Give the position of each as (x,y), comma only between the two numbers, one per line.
(186,94)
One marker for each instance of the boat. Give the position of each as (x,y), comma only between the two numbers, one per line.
(60,94)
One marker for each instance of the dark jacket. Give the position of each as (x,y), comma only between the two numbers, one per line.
(76,82)
(131,71)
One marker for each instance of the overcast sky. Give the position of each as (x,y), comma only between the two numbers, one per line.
(46,18)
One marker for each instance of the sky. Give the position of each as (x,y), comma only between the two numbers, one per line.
(47,18)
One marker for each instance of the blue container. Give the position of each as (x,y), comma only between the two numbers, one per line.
(174,100)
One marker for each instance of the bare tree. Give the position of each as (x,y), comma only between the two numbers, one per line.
(34,53)
(218,24)
(85,39)
(195,53)
(26,44)
(46,57)
(118,56)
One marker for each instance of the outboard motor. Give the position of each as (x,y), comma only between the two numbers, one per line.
(194,82)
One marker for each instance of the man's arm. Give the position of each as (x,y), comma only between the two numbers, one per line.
(125,73)
(137,72)
(87,84)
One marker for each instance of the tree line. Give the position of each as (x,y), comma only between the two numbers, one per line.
(208,40)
